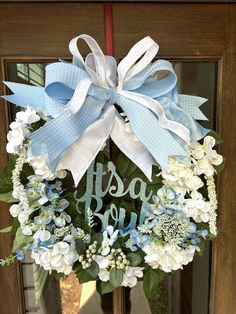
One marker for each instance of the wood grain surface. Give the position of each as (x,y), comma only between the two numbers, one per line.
(185,32)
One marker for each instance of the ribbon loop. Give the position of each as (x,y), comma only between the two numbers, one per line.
(95,61)
(128,67)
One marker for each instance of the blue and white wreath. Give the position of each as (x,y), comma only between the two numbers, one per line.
(145,214)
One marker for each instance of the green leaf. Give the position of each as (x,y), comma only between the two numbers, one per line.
(97,237)
(69,196)
(6,230)
(156,180)
(5,185)
(93,270)
(116,277)
(79,222)
(57,275)
(7,171)
(80,246)
(102,158)
(216,136)
(151,282)
(125,166)
(104,287)
(7,197)
(20,240)
(83,275)
(134,258)
(6,174)
(26,172)
(15,225)
(201,245)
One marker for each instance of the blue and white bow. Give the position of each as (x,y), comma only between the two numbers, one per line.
(81,96)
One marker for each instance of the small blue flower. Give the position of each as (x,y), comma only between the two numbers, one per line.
(134,233)
(203,233)
(142,239)
(129,244)
(51,195)
(195,241)
(19,255)
(57,186)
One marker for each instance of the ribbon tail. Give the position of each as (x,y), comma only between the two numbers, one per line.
(26,95)
(174,112)
(80,155)
(56,136)
(152,104)
(191,105)
(157,140)
(133,149)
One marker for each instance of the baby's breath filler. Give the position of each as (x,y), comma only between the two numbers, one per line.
(18,187)
(211,188)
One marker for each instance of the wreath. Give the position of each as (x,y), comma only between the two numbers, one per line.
(136,216)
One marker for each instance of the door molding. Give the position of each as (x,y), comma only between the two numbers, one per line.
(195,32)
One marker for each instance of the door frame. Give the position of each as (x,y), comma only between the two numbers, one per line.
(219,46)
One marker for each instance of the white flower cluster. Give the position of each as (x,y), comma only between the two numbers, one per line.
(20,129)
(53,235)
(168,257)
(204,157)
(40,167)
(185,178)
(186,175)
(181,176)
(196,208)
(60,257)
(130,276)
(173,230)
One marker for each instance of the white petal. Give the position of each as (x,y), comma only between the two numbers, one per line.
(44,235)
(209,141)
(103,275)
(15,210)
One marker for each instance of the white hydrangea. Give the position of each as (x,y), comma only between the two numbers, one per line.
(168,257)
(204,157)
(27,116)
(15,137)
(130,276)
(181,175)
(41,169)
(196,208)
(19,130)
(203,166)
(60,257)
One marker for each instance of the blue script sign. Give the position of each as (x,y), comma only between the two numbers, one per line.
(114,186)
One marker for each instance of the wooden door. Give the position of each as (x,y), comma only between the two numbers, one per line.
(186,32)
